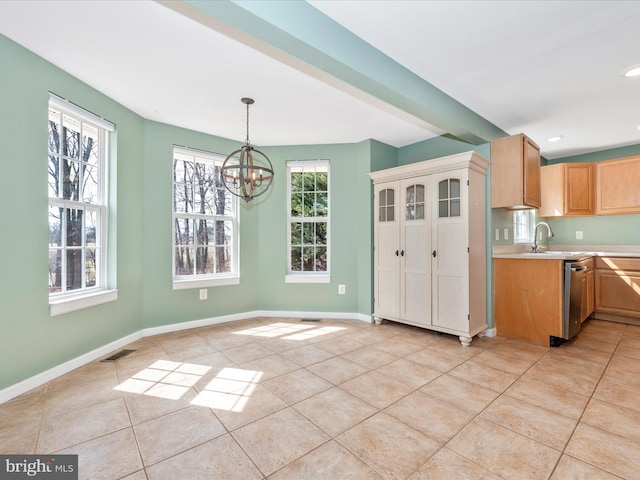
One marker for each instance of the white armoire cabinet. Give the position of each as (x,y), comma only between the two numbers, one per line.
(430,245)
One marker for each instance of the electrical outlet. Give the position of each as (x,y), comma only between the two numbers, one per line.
(506,233)
(342,289)
(579,235)
(497,234)
(203,294)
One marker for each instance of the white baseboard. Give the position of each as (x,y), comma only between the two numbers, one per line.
(490,332)
(24,386)
(53,373)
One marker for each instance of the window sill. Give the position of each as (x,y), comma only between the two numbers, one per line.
(81,301)
(293,278)
(205,283)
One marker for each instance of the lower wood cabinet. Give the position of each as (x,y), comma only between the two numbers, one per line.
(617,286)
(589,299)
(528,298)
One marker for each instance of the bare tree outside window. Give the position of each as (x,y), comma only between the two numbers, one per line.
(75,211)
(204,217)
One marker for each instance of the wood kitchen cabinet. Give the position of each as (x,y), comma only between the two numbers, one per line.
(568,190)
(429,245)
(588,286)
(528,298)
(617,190)
(617,286)
(515,173)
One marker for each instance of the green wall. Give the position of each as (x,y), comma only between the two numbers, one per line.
(162,305)
(31,341)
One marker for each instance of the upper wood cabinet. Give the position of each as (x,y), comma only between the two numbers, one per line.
(568,189)
(617,189)
(515,173)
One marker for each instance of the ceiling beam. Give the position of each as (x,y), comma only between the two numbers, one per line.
(299,35)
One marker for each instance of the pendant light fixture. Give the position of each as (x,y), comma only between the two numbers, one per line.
(247,173)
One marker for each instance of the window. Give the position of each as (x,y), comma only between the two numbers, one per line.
(308,221)
(523,221)
(205,222)
(78,208)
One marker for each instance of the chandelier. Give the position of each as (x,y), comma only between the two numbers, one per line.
(247,173)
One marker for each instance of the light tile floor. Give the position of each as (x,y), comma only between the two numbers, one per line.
(284,399)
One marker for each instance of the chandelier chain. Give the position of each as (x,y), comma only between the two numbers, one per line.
(247,140)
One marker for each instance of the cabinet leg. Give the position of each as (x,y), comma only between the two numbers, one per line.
(377,320)
(465,341)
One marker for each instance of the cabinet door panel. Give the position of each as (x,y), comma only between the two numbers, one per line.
(580,189)
(590,292)
(417,279)
(531,173)
(618,293)
(450,265)
(617,186)
(387,243)
(416,248)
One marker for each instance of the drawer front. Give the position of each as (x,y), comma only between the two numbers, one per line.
(618,263)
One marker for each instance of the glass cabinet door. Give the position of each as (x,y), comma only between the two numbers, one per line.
(386,203)
(414,208)
(449,198)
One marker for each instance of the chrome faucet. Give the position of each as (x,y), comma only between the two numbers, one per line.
(535,248)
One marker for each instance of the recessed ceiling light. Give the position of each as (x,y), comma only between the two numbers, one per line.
(632,71)
(555,139)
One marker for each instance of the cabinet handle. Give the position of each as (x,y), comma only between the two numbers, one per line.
(397,253)
(402,253)
(434,254)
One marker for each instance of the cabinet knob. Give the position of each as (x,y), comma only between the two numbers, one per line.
(397,253)
(402,253)
(434,254)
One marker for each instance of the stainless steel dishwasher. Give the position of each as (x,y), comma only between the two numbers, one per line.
(573,297)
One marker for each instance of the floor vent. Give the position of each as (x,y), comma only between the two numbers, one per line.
(118,355)
(314,320)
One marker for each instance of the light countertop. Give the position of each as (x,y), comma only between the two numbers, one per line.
(566,252)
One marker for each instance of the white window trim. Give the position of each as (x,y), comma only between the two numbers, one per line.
(304,277)
(206,282)
(307,277)
(209,280)
(531,220)
(67,302)
(88,299)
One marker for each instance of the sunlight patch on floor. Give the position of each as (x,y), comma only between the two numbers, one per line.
(274,330)
(289,331)
(230,390)
(164,379)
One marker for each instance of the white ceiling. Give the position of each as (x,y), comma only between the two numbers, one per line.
(540,67)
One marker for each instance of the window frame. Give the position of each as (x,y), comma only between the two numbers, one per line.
(526,219)
(71,300)
(204,280)
(294,276)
